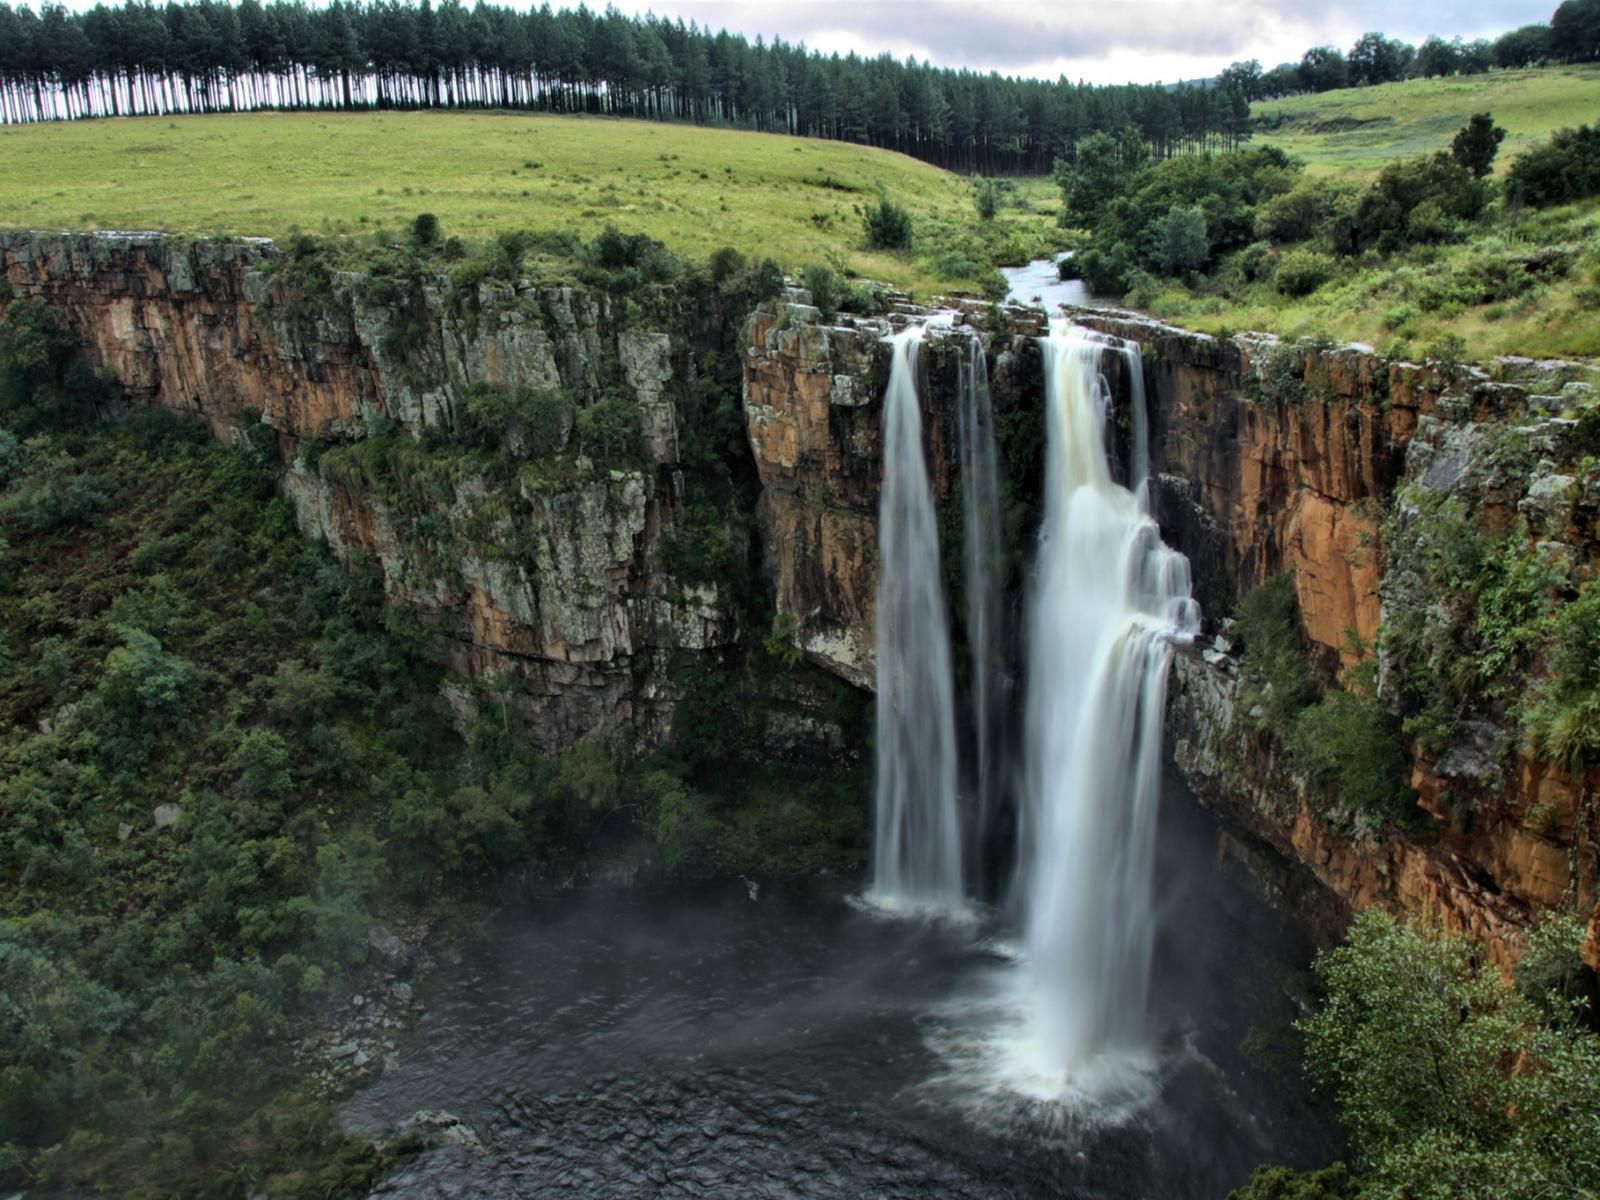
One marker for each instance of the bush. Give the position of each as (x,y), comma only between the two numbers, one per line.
(608,431)
(425,231)
(534,422)
(1348,740)
(823,285)
(725,264)
(888,226)
(1301,272)
(43,378)
(1301,213)
(1178,240)
(1106,272)
(1274,675)
(1565,169)
(1383,214)
(1476,145)
(986,198)
(1416,1038)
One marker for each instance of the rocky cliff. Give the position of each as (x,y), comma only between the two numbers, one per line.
(1343,470)
(544,573)
(1269,458)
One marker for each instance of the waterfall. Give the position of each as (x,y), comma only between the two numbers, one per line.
(917,853)
(980,499)
(1109,601)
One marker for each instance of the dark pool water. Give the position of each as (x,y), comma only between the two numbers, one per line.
(744,1041)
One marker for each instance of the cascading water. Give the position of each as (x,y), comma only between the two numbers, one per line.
(917,852)
(980,500)
(1109,602)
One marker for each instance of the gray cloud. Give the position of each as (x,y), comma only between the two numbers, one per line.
(1150,38)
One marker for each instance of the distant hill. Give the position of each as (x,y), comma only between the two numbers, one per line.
(1360,129)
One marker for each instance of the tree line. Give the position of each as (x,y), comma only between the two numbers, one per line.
(206,56)
(1573,35)
(209,56)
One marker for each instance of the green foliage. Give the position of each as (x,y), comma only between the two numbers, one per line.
(1567,168)
(986,199)
(425,231)
(1301,272)
(43,378)
(608,431)
(1305,211)
(1348,739)
(1417,1038)
(1551,974)
(1280,1183)
(633,259)
(1178,240)
(529,422)
(1476,145)
(887,225)
(1561,720)
(1274,675)
(1386,215)
(824,286)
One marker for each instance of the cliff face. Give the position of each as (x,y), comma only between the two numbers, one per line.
(1326,463)
(552,580)
(1267,459)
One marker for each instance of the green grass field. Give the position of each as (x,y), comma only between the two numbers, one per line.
(795,199)
(1358,130)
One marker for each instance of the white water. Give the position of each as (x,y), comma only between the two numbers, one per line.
(917,851)
(980,500)
(1108,603)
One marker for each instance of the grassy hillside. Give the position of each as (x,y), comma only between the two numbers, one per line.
(1360,129)
(795,199)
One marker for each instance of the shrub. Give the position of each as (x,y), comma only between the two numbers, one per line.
(1415,1038)
(888,226)
(608,431)
(1301,272)
(1566,168)
(1383,214)
(531,421)
(1300,213)
(725,264)
(986,198)
(1347,739)
(1274,674)
(1178,240)
(823,285)
(425,231)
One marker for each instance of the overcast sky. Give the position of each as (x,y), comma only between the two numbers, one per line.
(1112,41)
(1101,41)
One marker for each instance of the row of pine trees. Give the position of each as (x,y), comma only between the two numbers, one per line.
(208,56)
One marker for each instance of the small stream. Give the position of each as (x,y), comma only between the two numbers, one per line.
(745,1040)
(1039,284)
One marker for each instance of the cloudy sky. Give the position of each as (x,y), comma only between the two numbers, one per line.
(1113,41)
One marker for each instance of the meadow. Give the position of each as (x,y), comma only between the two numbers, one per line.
(1358,130)
(696,189)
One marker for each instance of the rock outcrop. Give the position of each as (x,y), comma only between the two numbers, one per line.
(556,583)
(1267,458)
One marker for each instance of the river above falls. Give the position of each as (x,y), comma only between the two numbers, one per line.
(1038,284)
(740,1040)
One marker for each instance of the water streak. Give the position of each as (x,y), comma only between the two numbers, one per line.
(1109,602)
(917,852)
(980,498)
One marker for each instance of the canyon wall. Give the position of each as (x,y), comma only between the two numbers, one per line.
(551,573)
(1267,458)
(545,573)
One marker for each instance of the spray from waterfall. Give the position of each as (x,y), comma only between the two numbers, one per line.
(1109,602)
(917,852)
(980,499)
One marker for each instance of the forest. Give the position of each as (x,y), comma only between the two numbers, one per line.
(209,56)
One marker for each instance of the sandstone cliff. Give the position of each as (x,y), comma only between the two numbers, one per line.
(551,578)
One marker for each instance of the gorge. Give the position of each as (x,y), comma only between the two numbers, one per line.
(571,585)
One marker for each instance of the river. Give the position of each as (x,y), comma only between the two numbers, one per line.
(752,1040)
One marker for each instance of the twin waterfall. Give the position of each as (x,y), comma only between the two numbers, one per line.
(1107,603)
(917,851)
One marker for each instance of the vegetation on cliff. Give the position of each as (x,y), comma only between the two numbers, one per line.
(1452,1082)
(224,759)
